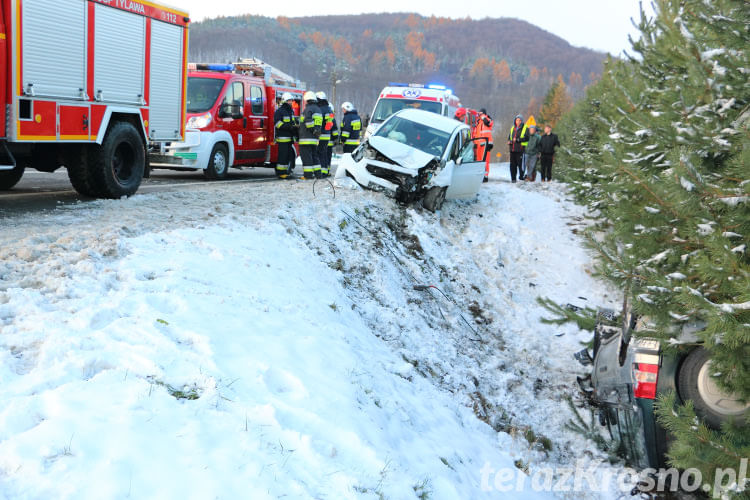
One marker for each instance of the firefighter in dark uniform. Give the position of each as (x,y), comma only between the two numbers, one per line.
(311,123)
(350,127)
(285,126)
(325,147)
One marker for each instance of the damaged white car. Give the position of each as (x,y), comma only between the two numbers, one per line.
(417,155)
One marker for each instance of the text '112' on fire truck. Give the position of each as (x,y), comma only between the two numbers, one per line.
(397,96)
(89,85)
(230,109)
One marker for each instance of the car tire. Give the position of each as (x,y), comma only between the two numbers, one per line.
(218,164)
(117,166)
(694,382)
(9,178)
(434,198)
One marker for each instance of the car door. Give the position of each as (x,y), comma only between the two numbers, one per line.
(468,170)
(231,117)
(256,123)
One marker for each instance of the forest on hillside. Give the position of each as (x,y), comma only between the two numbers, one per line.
(505,65)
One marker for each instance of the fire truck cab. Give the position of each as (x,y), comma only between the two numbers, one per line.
(230,111)
(88,85)
(397,96)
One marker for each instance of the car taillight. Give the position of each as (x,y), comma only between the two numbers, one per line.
(645,376)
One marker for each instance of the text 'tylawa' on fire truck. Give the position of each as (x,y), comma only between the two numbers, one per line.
(90,85)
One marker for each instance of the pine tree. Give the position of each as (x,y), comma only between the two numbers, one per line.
(659,150)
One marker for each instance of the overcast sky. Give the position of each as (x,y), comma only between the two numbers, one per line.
(597,24)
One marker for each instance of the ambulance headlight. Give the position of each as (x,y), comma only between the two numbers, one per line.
(199,121)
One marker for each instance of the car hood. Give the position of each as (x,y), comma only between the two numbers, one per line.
(406,156)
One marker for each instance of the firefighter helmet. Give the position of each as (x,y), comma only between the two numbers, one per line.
(321,96)
(286,96)
(347,106)
(309,96)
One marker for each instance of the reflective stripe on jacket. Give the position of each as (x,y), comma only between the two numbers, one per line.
(310,124)
(284,123)
(351,126)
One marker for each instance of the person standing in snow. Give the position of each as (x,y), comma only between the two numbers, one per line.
(325,146)
(284,124)
(350,127)
(547,145)
(515,139)
(484,129)
(531,154)
(309,131)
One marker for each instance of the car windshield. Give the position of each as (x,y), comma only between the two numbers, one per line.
(417,135)
(386,107)
(202,93)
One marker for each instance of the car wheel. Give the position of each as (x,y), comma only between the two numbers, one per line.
(218,164)
(9,178)
(434,198)
(711,402)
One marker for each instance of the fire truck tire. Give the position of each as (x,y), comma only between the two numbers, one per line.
(715,405)
(218,164)
(9,178)
(118,165)
(76,162)
(434,198)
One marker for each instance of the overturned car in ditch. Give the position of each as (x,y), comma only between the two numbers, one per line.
(416,155)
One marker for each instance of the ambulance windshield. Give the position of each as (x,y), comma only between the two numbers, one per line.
(202,93)
(386,107)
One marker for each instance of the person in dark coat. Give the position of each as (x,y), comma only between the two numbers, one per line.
(515,139)
(547,147)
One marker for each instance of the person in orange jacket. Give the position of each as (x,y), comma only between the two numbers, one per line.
(484,129)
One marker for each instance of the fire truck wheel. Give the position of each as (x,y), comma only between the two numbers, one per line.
(76,162)
(9,178)
(218,165)
(118,165)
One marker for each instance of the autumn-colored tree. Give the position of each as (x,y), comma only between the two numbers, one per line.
(390,51)
(412,21)
(342,49)
(557,102)
(283,22)
(575,80)
(533,108)
(533,74)
(501,71)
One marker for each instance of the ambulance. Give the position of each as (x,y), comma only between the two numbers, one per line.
(397,96)
(230,110)
(89,85)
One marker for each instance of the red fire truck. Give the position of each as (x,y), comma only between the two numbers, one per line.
(230,110)
(89,84)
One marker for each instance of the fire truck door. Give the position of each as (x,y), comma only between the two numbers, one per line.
(232,118)
(257,122)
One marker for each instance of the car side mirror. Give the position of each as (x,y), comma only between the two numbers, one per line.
(459,160)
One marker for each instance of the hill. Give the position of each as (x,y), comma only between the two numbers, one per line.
(505,65)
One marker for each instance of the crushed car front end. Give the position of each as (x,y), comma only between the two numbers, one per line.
(389,167)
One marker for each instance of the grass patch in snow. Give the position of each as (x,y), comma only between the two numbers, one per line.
(190,392)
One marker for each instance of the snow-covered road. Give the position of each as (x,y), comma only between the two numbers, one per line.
(240,341)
